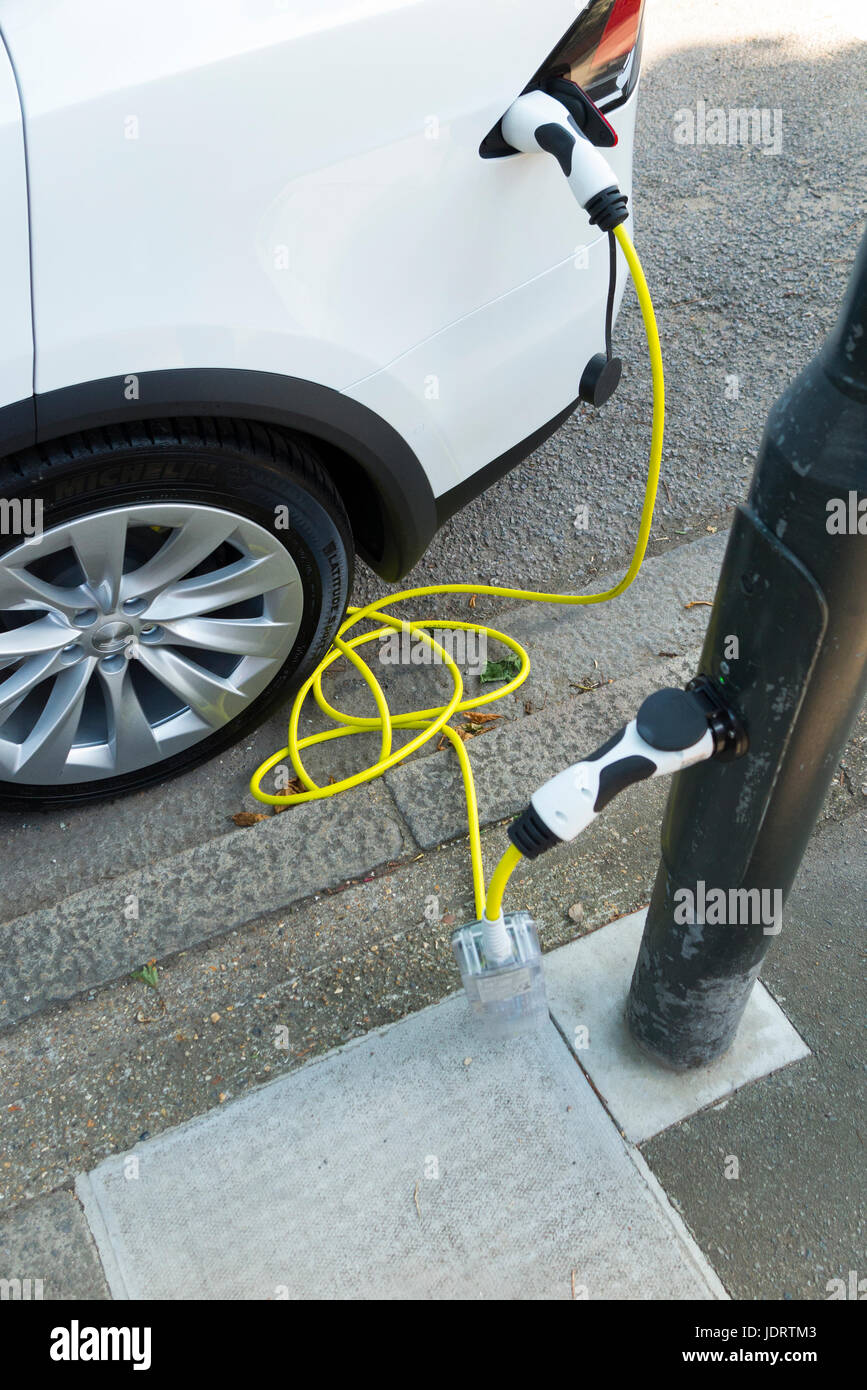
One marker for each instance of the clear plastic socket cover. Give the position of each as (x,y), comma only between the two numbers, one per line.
(507,998)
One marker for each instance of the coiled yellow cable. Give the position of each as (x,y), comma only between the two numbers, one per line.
(431,722)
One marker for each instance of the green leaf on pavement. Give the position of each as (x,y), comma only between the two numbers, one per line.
(501,670)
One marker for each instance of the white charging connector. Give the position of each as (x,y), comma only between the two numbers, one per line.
(673,730)
(571,800)
(537,121)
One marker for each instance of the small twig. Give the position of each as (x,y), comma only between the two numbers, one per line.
(415,1199)
(595,685)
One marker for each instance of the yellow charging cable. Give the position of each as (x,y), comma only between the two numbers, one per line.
(431,722)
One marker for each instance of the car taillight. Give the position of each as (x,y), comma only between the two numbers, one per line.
(601,53)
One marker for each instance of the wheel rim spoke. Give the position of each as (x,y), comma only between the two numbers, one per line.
(212,699)
(191,543)
(43,635)
(132,739)
(232,584)
(100,546)
(46,748)
(21,590)
(249,636)
(20,683)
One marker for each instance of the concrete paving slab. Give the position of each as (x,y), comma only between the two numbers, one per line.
(588,982)
(417,1162)
(103,932)
(47,1252)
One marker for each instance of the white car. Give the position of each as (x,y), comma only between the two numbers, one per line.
(275,292)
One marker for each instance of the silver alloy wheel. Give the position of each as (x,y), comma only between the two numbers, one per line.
(131,634)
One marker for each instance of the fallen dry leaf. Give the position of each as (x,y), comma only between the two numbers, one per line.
(248,817)
(291,789)
(476,724)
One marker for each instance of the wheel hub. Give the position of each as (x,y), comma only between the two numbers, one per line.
(113,636)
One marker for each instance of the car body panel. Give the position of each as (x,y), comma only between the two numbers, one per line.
(16,340)
(468,393)
(296,189)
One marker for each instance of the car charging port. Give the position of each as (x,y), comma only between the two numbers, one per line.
(584,112)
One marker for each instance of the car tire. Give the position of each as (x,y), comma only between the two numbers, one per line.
(118,618)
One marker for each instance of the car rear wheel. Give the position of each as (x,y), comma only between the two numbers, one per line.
(162,588)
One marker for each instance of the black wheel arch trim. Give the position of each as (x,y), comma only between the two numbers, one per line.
(17,425)
(402,491)
(410,514)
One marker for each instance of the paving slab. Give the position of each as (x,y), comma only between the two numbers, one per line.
(416,1163)
(47,1252)
(588,982)
(100,933)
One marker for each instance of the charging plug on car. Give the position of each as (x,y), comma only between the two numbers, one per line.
(538,121)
